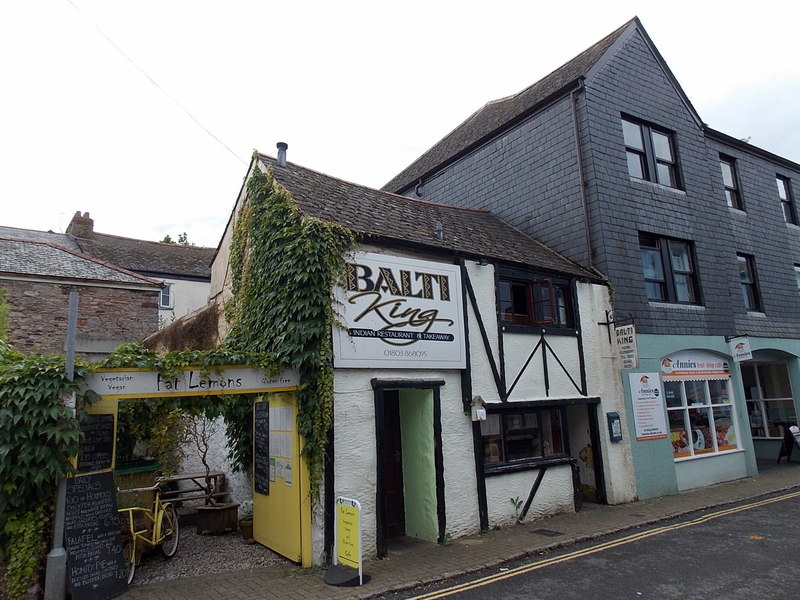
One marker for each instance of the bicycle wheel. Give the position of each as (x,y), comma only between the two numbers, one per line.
(129,555)
(171,531)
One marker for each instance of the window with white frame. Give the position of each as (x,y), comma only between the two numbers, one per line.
(167,297)
(770,401)
(749,283)
(701,416)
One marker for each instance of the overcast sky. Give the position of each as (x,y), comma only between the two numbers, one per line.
(145,113)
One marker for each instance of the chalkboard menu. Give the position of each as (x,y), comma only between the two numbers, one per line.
(95,565)
(97,446)
(261,447)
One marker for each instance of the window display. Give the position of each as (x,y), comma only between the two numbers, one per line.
(513,437)
(699,404)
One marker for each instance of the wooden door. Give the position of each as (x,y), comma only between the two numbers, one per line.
(392,466)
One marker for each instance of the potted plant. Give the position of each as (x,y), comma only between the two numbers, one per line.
(212,518)
(246,526)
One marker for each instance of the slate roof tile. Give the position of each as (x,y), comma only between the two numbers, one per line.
(44,259)
(381,216)
(498,114)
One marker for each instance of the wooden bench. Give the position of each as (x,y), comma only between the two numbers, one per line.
(195,486)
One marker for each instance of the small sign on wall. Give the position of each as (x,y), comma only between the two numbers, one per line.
(648,406)
(626,346)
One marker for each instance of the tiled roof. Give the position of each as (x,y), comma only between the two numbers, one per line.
(43,259)
(498,114)
(381,216)
(153,258)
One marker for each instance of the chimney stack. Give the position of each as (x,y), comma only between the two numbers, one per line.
(81,226)
(282,146)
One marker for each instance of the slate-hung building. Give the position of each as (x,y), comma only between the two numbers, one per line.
(412,439)
(607,161)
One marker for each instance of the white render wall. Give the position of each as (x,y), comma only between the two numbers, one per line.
(355,470)
(188,297)
(603,380)
(554,496)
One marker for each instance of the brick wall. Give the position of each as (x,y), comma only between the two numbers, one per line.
(38,314)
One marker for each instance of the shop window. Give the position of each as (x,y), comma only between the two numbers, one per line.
(770,401)
(522,436)
(701,417)
(731,182)
(668,269)
(650,152)
(534,302)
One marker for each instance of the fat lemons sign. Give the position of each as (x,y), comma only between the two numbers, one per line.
(348,534)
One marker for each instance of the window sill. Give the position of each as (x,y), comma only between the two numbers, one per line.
(757,313)
(528,465)
(708,455)
(537,329)
(659,186)
(676,306)
(793,226)
(737,211)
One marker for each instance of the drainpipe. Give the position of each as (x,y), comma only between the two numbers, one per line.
(581,176)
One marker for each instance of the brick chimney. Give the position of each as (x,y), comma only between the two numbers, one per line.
(81,226)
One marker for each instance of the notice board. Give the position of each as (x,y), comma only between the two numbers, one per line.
(261,465)
(97,446)
(95,565)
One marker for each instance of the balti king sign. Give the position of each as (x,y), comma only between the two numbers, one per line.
(399,313)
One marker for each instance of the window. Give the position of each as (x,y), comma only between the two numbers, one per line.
(701,416)
(668,267)
(730,181)
(522,435)
(167,297)
(797,276)
(770,401)
(650,152)
(787,202)
(534,302)
(747,278)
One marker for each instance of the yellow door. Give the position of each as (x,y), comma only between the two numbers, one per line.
(281,501)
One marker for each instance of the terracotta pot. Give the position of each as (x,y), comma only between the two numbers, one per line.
(246,527)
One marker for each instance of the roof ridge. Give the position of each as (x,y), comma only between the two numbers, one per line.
(122,237)
(371,189)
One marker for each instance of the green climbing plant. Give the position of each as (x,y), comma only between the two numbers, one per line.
(283,267)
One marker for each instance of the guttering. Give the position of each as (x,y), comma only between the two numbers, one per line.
(581,175)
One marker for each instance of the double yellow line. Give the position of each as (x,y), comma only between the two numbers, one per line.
(595,549)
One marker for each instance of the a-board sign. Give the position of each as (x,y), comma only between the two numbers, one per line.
(97,446)
(261,447)
(348,534)
(95,566)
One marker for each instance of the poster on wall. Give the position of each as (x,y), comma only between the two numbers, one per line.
(399,313)
(648,406)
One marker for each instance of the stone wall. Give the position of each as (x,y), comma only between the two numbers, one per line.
(107,317)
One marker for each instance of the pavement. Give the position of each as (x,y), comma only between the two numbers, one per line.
(412,563)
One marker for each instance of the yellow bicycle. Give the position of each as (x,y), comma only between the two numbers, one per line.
(150,527)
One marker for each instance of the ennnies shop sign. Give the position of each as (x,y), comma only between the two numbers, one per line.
(400,313)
